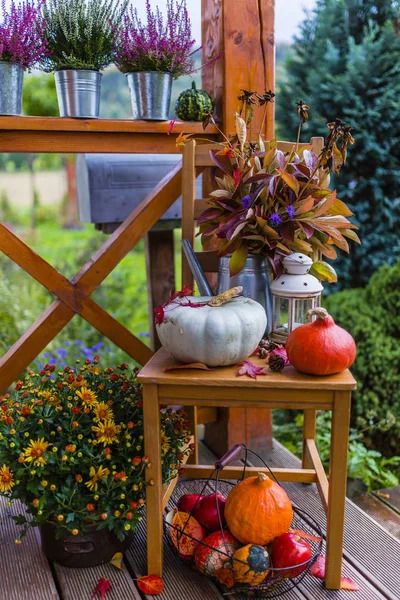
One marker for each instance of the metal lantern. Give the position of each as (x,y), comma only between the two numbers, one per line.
(293,294)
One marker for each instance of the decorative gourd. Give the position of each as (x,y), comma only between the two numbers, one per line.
(193,331)
(257,510)
(210,560)
(321,347)
(250,564)
(185,544)
(193,104)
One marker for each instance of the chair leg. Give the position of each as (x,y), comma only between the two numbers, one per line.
(337,489)
(191,412)
(152,445)
(309,429)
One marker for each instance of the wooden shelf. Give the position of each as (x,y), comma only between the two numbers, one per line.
(56,134)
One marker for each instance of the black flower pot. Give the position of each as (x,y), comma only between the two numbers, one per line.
(96,547)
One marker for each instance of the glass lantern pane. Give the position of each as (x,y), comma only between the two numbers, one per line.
(300,311)
(280,318)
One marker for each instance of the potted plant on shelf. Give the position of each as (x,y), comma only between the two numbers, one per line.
(153,54)
(71,449)
(22,44)
(81,37)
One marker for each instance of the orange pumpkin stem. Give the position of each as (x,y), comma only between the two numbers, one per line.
(319,312)
(262,476)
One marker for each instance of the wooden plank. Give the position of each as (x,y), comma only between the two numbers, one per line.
(380,512)
(227,377)
(213,77)
(309,428)
(315,463)
(188,198)
(206,414)
(25,572)
(160,270)
(79,584)
(299,475)
(128,126)
(200,205)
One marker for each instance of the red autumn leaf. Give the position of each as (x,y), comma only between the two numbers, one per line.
(348,584)
(171,125)
(159,312)
(150,584)
(282,353)
(306,536)
(196,365)
(101,588)
(318,570)
(247,368)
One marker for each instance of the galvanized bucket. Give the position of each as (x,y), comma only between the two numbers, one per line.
(11,79)
(254,278)
(78,93)
(150,95)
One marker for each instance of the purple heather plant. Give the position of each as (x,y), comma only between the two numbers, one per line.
(22,33)
(162,44)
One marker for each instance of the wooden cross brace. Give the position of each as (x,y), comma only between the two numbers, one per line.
(73,297)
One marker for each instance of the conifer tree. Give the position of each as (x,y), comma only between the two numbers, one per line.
(346,63)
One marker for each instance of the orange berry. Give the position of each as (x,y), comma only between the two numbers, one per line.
(133,505)
(117,513)
(75,531)
(74,424)
(60,517)
(129,516)
(90,507)
(35,502)
(136,460)
(78,477)
(104,516)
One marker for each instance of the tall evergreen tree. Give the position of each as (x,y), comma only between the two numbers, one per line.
(346,63)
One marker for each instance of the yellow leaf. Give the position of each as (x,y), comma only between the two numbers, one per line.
(182,138)
(340,208)
(290,180)
(323,271)
(241,129)
(116,561)
(325,204)
(305,206)
(351,234)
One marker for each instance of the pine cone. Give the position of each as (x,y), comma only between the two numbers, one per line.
(266,346)
(276,362)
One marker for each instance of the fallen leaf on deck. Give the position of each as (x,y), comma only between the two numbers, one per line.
(116,561)
(383,495)
(306,536)
(318,570)
(247,368)
(150,584)
(101,588)
(197,365)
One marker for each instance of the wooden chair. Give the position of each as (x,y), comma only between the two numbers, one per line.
(196,158)
(221,388)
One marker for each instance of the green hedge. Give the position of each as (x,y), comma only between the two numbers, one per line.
(372,316)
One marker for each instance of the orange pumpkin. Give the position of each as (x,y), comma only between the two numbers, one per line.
(258,510)
(320,347)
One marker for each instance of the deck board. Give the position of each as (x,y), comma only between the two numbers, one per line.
(24,573)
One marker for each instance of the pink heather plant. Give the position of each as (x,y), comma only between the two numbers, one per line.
(163,45)
(22,37)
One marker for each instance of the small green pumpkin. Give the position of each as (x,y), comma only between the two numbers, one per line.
(251,564)
(193,104)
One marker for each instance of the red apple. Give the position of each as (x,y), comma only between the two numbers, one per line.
(290,550)
(206,511)
(187,502)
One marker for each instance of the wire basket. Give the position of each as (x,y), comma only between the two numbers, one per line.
(275,583)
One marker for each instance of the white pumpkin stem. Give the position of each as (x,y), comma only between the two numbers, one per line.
(225,296)
(319,312)
(262,476)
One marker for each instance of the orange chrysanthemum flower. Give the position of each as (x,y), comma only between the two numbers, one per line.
(107,432)
(103,412)
(88,397)
(35,452)
(6,479)
(95,476)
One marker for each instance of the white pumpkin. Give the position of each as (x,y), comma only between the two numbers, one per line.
(215,335)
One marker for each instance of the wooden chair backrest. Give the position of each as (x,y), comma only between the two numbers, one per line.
(195,158)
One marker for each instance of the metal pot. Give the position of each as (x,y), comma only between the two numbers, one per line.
(11,79)
(78,93)
(96,547)
(255,278)
(150,95)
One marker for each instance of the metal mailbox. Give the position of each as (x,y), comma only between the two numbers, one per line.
(110,186)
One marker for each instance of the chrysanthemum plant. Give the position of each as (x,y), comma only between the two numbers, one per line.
(71,448)
(81,33)
(273,203)
(22,33)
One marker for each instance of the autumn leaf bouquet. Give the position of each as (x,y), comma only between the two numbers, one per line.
(71,448)
(273,203)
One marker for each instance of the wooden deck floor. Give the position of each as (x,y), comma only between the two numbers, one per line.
(372,559)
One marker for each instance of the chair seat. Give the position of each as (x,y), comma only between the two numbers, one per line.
(155,372)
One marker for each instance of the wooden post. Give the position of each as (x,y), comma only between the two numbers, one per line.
(160,257)
(243,31)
